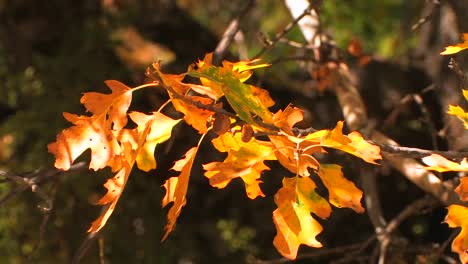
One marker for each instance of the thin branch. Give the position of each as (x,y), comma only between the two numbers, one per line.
(408,152)
(230,33)
(426,18)
(271,43)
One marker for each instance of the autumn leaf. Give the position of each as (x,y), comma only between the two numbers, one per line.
(133,142)
(353,143)
(160,131)
(459,112)
(457,216)
(95,132)
(287,118)
(456,48)
(438,163)
(296,157)
(194,115)
(342,192)
(229,79)
(176,189)
(244,160)
(462,189)
(115,187)
(293,221)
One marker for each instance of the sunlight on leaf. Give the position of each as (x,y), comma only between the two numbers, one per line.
(457,216)
(456,48)
(342,192)
(176,189)
(244,160)
(95,132)
(293,221)
(441,164)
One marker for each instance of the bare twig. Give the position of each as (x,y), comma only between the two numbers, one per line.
(230,33)
(424,19)
(412,209)
(283,32)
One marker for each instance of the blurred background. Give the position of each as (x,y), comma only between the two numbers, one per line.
(51,52)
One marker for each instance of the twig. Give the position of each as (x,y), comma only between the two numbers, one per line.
(412,209)
(45,220)
(34,179)
(424,19)
(283,32)
(355,248)
(408,152)
(230,33)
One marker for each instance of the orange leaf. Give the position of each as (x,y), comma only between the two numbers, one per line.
(193,115)
(114,188)
(457,216)
(462,189)
(95,132)
(176,189)
(293,157)
(285,120)
(456,48)
(441,164)
(354,144)
(244,160)
(342,192)
(294,224)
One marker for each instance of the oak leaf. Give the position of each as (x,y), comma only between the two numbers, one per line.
(244,160)
(296,157)
(160,131)
(353,143)
(293,221)
(457,47)
(115,187)
(229,79)
(176,189)
(459,112)
(96,132)
(457,216)
(438,163)
(462,189)
(342,192)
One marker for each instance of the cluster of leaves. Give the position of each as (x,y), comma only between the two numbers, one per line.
(249,136)
(457,215)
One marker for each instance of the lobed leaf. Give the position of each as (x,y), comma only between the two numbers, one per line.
(342,192)
(244,160)
(294,224)
(96,132)
(229,79)
(457,216)
(176,189)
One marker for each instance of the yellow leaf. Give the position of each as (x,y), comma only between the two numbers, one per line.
(354,144)
(456,48)
(342,192)
(457,216)
(294,224)
(441,164)
(460,113)
(160,131)
(244,160)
